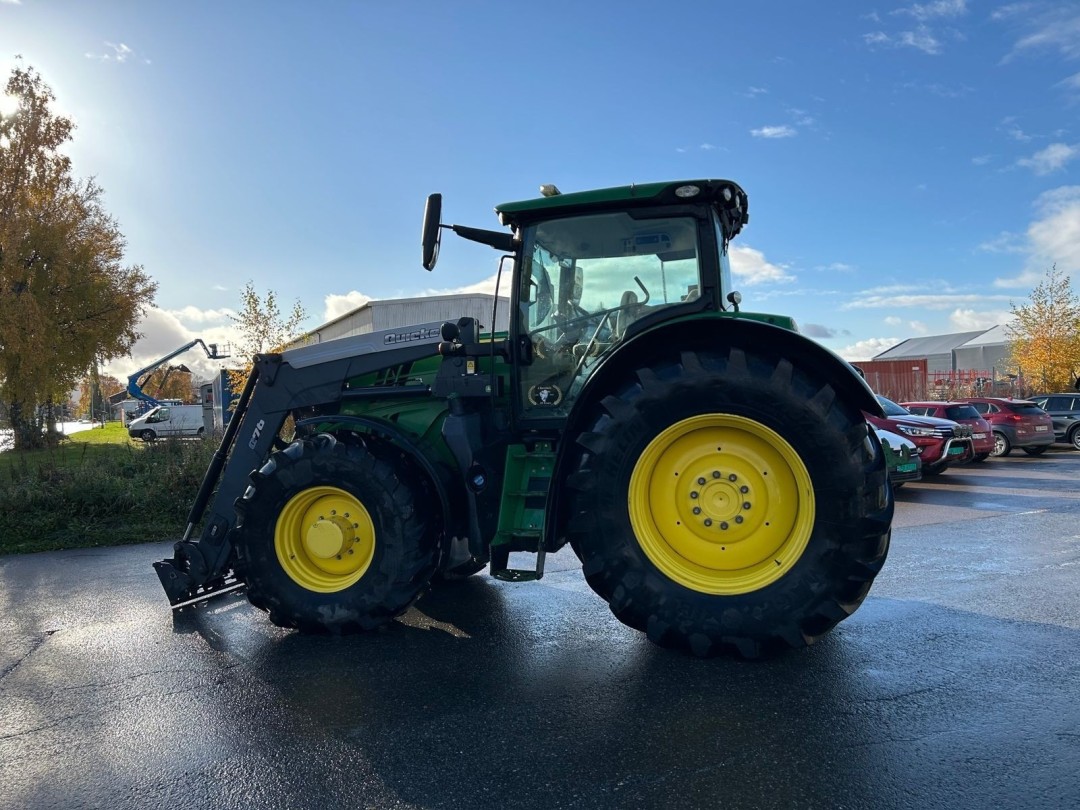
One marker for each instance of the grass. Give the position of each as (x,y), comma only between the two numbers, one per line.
(98,488)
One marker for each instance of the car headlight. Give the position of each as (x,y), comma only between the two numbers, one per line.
(911,430)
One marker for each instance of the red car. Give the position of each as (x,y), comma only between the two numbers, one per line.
(1016,423)
(982,435)
(941,442)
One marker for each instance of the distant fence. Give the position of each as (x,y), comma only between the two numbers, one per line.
(909,380)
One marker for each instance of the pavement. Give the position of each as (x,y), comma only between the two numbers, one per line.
(955,685)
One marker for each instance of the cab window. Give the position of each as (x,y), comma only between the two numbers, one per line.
(587,279)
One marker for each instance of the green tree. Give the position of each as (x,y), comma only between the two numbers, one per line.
(262,328)
(66,299)
(1044,340)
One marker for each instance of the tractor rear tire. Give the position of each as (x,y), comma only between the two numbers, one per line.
(729,502)
(332,538)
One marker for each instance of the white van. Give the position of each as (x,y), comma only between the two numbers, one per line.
(168,420)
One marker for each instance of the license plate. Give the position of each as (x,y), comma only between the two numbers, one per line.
(1041,427)
(905,468)
(979,435)
(956,451)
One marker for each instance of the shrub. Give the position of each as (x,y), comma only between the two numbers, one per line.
(98,494)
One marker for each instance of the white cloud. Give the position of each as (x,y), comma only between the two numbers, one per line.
(755,91)
(1055,238)
(11,2)
(774,132)
(1050,159)
(1004,242)
(867,349)
(163,333)
(1073,82)
(190,314)
(1052,238)
(920,39)
(1057,30)
(968,320)
(1026,279)
(918,327)
(892,320)
(911,296)
(837,267)
(751,267)
(938,8)
(1011,10)
(334,306)
(981,160)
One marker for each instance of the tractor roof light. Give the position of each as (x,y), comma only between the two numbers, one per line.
(687,191)
(549,190)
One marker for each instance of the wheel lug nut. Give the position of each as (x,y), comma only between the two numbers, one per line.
(715,473)
(746,504)
(738,518)
(733,477)
(693,494)
(744,489)
(708,521)
(723,525)
(697,510)
(701,481)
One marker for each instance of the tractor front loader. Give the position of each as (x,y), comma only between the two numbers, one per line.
(712,468)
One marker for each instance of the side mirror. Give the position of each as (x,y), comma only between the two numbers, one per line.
(432,230)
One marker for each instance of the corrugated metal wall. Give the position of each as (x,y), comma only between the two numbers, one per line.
(396,313)
(899,380)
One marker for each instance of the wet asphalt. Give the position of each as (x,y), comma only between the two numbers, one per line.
(957,685)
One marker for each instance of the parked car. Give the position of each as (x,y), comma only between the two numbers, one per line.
(1016,423)
(940,442)
(1064,410)
(902,457)
(982,435)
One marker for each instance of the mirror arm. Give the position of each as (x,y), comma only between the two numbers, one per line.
(499,240)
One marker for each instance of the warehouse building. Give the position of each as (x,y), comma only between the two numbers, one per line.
(394,313)
(945,367)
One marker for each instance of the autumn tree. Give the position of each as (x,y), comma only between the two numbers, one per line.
(67,301)
(94,393)
(1044,338)
(262,329)
(170,382)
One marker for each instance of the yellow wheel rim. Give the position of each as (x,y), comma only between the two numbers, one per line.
(324,539)
(721,504)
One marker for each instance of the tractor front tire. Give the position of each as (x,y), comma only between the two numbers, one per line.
(729,502)
(332,539)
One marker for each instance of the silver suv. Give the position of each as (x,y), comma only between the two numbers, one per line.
(1064,409)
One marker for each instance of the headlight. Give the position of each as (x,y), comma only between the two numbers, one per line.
(911,430)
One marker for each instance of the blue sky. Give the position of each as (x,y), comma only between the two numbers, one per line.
(911,167)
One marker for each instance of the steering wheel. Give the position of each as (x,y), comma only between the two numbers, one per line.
(607,313)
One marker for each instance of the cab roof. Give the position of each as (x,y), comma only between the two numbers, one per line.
(725,195)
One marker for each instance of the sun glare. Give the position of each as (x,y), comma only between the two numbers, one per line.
(8,104)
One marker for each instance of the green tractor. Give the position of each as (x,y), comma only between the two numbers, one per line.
(711,468)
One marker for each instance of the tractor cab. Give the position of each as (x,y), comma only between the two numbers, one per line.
(595,268)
